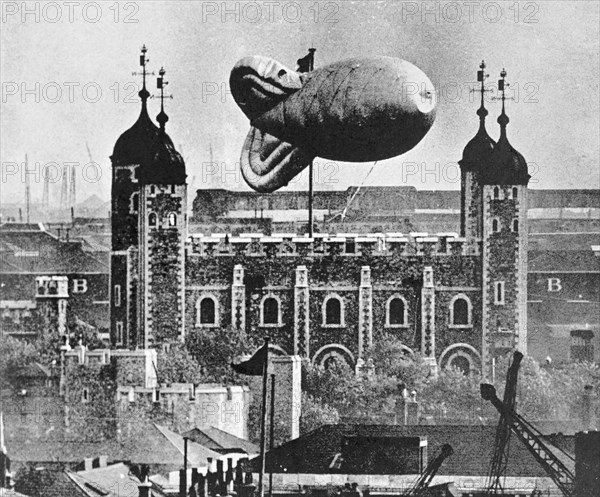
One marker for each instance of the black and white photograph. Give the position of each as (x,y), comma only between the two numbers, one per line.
(311,248)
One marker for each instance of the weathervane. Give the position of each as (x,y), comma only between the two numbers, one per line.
(143,61)
(162,117)
(481,77)
(502,85)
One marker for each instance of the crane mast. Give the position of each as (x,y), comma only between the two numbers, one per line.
(531,438)
(423,482)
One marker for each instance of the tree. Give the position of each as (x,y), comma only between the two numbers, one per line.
(315,414)
(178,366)
(215,349)
(14,355)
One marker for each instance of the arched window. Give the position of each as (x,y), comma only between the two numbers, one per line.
(515,192)
(172,219)
(135,200)
(461,362)
(496,192)
(206,311)
(460,311)
(396,311)
(515,225)
(495,226)
(270,311)
(152,219)
(333,311)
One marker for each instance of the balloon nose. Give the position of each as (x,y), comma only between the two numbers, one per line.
(426,100)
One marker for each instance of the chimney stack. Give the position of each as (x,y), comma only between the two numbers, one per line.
(407,409)
(587,463)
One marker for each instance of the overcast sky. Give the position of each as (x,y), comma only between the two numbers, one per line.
(550,50)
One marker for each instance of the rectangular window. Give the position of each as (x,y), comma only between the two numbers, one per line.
(117,295)
(499,293)
(119,330)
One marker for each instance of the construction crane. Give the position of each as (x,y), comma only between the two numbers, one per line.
(500,457)
(421,485)
(532,439)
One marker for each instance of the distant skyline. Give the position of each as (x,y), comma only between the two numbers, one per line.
(67,81)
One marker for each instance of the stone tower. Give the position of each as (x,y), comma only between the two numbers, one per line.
(504,251)
(149,198)
(494,216)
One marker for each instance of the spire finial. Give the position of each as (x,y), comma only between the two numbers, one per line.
(503,119)
(482,111)
(143,61)
(162,117)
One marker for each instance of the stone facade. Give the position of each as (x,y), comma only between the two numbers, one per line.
(455,299)
(113,394)
(403,285)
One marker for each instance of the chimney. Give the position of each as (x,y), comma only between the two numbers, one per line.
(586,408)
(587,463)
(407,409)
(145,485)
(229,476)
(221,486)
(103,461)
(88,464)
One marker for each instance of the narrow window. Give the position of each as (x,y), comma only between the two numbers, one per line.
(499,293)
(582,347)
(152,219)
(515,225)
(515,192)
(172,188)
(396,312)
(496,192)
(460,312)
(495,226)
(152,190)
(119,331)
(333,311)
(207,311)
(135,200)
(270,311)
(172,219)
(117,296)
(85,396)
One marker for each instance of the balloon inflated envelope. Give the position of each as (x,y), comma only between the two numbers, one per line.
(356,110)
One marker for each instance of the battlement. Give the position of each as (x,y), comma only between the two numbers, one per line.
(190,392)
(321,244)
(133,367)
(52,286)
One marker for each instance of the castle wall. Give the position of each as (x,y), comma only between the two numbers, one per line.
(364,272)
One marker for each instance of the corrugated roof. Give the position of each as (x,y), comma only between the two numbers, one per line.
(114,480)
(219,440)
(564,261)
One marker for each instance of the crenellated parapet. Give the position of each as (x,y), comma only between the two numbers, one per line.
(327,245)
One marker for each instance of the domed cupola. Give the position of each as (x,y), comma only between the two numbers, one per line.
(148,146)
(477,155)
(166,166)
(508,167)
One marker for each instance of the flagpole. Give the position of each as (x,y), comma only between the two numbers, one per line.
(310,199)
(272,434)
(311,67)
(263,422)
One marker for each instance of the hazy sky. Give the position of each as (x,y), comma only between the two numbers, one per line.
(67,81)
